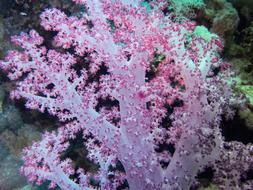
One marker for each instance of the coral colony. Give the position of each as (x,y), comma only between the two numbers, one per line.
(141,90)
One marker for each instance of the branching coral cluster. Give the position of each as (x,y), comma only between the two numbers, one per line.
(121,111)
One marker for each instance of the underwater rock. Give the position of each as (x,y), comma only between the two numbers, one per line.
(9,175)
(3,152)
(223,17)
(245,87)
(247,115)
(243,69)
(5,5)
(2,95)
(247,43)
(19,140)
(245,9)
(10,118)
(28,187)
(211,187)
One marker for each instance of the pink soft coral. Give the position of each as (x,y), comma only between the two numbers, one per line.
(121,111)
